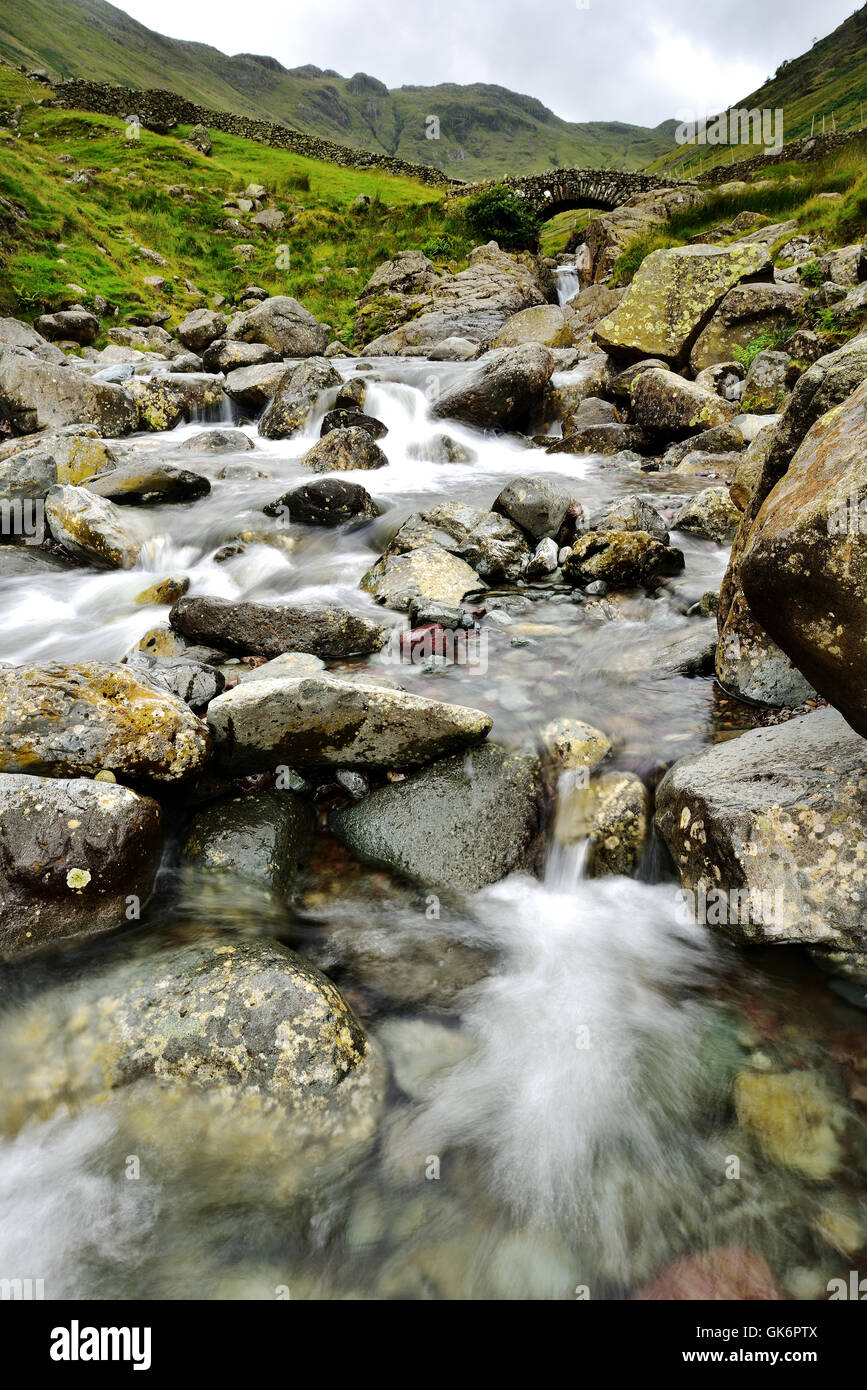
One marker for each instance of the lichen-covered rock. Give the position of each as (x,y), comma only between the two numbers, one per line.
(672,296)
(667,403)
(31,471)
(430,572)
(162,402)
(282,324)
(795,1117)
(249,1020)
(542,323)
(92,528)
(710,514)
(296,396)
(625,559)
(323,721)
(267,629)
(70,721)
(613,814)
(500,390)
(264,839)
(765,385)
(780,814)
(570,744)
(463,823)
(77,858)
(36,395)
(804,569)
(746,313)
(629,514)
(343,449)
(149,484)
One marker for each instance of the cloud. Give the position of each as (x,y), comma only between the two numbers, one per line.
(625,60)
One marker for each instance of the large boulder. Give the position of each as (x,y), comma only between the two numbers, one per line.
(666,403)
(430,572)
(609,235)
(544,323)
(164,401)
(200,328)
(282,324)
(488,541)
(31,471)
(36,395)
(70,721)
(254,387)
(267,629)
(777,815)
(221,355)
(149,484)
(322,721)
(804,570)
(325,502)
(747,312)
(673,295)
(296,396)
(77,857)
(76,325)
(538,505)
(463,823)
(91,528)
(710,514)
(625,559)
(501,390)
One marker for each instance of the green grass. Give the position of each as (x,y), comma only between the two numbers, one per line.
(81,235)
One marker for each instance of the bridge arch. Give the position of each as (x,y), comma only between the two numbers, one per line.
(562,189)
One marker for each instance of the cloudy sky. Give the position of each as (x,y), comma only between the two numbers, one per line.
(630,60)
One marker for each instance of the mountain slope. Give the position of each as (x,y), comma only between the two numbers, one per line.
(484,130)
(829,81)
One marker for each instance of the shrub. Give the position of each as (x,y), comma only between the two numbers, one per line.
(500,215)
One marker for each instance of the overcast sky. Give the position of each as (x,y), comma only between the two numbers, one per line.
(630,60)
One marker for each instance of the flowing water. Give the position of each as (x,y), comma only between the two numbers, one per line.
(559,1116)
(567,283)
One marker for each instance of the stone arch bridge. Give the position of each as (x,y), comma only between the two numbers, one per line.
(560,189)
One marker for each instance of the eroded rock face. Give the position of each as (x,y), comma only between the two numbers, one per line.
(282,324)
(322,721)
(37,395)
(672,296)
(804,570)
(69,721)
(501,390)
(74,857)
(265,629)
(780,814)
(463,823)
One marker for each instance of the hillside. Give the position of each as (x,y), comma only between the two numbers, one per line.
(484,130)
(825,88)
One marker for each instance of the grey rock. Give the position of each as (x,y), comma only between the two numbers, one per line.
(265,629)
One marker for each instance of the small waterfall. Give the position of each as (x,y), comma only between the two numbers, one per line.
(567,283)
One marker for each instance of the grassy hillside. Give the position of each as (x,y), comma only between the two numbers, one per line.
(55,233)
(484,130)
(830,82)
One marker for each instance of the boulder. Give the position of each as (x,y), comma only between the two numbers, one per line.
(91,528)
(267,629)
(776,816)
(666,403)
(539,506)
(77,858)
(282,324)
(489,542)
(747,312)
(629,514)
(149,484)
(264,839)
(710,514)
(217,441)
(164,401)
(70,721)
(200,328)
(544,323)
(32,471)
(613,814)
(804,568)
(765,385)
(609,439)
(501,390)
(673,295)
(344,449)
(430,572)
(342,419)
(36,395)
(221,355)
(625,559)
(325,502)
(461,824)
(254,387)
(194,682)
(75,325)
(296,396)
(320,721)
